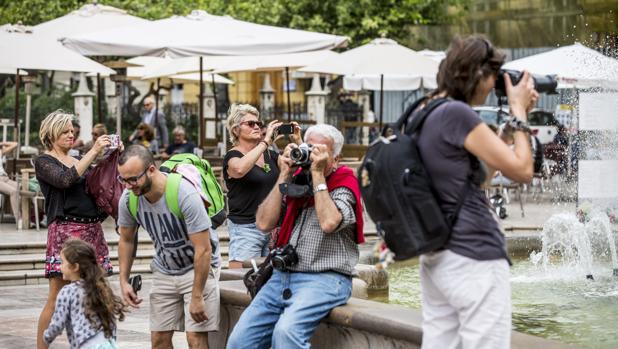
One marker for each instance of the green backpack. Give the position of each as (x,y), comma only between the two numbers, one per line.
(207,184)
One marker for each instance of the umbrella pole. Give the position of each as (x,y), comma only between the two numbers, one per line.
(287,84)
(201,104)
(214,92)
(381,99)
(16,121)
(99,105)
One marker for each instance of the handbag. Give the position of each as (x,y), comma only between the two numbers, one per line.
(254,279)
(103,186)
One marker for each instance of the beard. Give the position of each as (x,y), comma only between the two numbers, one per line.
(145,188)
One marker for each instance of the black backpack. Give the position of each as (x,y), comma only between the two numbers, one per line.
(398,193)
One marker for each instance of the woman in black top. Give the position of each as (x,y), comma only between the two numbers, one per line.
(250,170)
(71,212)
(466,298)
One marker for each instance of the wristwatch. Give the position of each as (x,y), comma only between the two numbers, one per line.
(320,187)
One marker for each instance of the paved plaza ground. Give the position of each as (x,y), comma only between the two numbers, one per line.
(20,305)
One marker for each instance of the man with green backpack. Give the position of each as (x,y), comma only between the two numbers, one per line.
(171,207)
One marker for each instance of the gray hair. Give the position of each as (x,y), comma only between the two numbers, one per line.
(329,131)
(179,129)
(235,114)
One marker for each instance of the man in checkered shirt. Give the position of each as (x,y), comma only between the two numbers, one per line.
(325,230)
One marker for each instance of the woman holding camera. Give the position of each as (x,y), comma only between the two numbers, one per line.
(466,295)
(71,212)
(250,170)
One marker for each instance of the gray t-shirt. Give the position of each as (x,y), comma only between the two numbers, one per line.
(477,233)
(170,235)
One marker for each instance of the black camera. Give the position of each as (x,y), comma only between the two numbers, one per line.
(136,283)
(542,83)
(301,156)
(284,257)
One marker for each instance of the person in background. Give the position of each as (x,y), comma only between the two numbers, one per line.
(7,186)
(158,123)
(98,130)
(71,212)
(145,137)
(87,307)
(78,141)
(250,170)
(180,145)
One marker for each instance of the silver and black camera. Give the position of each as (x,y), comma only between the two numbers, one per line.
(301,156)
(284,257)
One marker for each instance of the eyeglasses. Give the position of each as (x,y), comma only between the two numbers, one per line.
(131,180)
(252,123)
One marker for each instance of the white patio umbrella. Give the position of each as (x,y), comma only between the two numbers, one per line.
(33,51)
(22,49)
(228,64)
(575,65)
(200,33)
(87,19)
(147,65)
(381,58)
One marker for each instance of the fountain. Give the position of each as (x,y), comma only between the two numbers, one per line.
(565,239)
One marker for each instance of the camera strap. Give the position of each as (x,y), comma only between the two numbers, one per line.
(302,223)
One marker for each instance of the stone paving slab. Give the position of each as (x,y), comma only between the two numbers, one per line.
(20,307)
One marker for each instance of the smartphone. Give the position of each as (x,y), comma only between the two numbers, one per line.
(285,129)
(115,141)
(136,283)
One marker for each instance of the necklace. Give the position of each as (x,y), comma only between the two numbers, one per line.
(266,168)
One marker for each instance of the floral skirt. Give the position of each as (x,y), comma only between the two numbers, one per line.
(59,232)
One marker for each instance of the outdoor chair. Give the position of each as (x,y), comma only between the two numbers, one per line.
(503,189)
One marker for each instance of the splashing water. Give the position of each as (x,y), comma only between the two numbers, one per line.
(570,247)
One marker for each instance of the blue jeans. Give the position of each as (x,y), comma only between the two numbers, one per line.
(246,241)
(273,321)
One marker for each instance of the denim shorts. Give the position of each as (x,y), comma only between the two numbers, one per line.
(246,241)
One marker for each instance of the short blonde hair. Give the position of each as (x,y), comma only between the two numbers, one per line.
(235,114)
(52,127)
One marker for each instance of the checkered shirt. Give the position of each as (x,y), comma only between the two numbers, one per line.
(318,251)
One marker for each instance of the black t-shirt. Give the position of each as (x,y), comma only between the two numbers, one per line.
(64,190)
(181,148)
(247,193)
(477,232)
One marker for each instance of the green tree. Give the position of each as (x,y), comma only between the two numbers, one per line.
(360,20)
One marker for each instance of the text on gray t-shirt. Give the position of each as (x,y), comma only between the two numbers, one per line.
(170,235)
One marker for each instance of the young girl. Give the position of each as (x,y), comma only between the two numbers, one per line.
(87,307)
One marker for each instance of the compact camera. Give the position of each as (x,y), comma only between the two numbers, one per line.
(542,83)
(284,257)
(136,283)
(301,156)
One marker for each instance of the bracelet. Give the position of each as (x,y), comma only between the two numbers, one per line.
(267,145)
(515,124)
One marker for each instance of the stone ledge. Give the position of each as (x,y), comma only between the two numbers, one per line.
(360,323)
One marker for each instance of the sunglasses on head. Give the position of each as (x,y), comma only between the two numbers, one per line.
(252,123)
